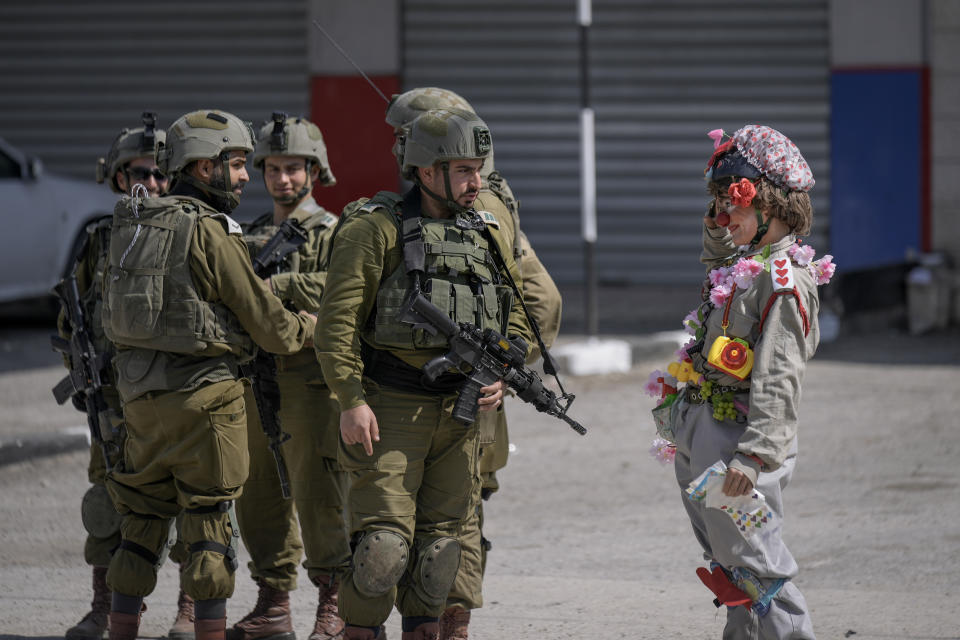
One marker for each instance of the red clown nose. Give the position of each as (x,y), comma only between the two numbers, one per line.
(723,218)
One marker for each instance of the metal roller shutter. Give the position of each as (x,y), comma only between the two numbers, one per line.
(663,74)
(75,73)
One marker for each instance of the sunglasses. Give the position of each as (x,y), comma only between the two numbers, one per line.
(142,173)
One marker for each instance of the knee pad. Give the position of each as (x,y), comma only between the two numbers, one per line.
(379,560)
(438,560)
(99,516)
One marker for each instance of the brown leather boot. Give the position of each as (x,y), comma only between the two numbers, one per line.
(124,626)
(269,619)
(94,624)
(363,633)
(454,623)
(210,629)
(183,627)
(425,631)
(328,626)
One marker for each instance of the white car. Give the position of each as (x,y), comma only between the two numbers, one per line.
(43,216)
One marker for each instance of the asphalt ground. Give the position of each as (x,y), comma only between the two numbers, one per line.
(589,536)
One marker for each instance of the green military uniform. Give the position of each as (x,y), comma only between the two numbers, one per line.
(98,510)
(310,414)
(407,500)
(543,301)
(184,307)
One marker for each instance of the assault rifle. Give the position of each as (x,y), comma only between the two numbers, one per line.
(289,236)
(85,380)
(262,370)
(484,356)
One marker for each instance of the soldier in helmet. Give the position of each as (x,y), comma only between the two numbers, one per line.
(184,308)
(130,162)
(543,301)
(413,468)
(293,158)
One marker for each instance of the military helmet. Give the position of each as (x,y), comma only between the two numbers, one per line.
(404,107)
(206,133)
(442,135)
(130,144)
(293,136)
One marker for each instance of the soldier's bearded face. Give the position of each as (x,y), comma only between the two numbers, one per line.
(237,165)
(464,181)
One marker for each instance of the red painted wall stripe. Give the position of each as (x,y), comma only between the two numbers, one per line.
(350,115)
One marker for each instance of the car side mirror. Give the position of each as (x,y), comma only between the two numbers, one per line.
(34,168)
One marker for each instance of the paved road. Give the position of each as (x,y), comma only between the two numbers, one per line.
(589,537)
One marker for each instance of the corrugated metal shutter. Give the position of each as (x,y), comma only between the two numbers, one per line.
(74,73)
(663,74)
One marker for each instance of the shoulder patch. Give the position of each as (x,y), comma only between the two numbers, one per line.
(233,227)
(781,273)
(328,219)
(489,218)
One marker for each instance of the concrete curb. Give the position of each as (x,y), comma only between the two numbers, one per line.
(15,449)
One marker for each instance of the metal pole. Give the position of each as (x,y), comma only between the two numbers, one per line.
(588,173)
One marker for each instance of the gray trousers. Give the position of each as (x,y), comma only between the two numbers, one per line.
(701,441)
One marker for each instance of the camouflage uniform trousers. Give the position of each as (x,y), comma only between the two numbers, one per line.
(184,450)
(419,483)
(268,523)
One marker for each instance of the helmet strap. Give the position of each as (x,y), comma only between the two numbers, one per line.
(762,227)
(224,199)
(447,201)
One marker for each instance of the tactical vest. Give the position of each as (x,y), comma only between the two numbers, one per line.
(306,259)
(454,269)
(149,299)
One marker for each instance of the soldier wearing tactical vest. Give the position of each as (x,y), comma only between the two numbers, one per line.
(543,301)
(293,158)
(184,308)
(129,162)
(413,468)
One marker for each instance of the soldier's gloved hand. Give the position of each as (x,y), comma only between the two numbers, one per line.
(79,402)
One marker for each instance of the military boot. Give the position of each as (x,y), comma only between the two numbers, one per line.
(125,626)
(94,624)
(210,629)
(328,626)
(269,620)
(183,627)
(454,623)
(424,631)
(364,633)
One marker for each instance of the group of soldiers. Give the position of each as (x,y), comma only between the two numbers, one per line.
(386,485)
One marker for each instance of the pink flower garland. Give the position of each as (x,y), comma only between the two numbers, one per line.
(722,280)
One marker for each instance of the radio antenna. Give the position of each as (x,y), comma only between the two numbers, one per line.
(350,60)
